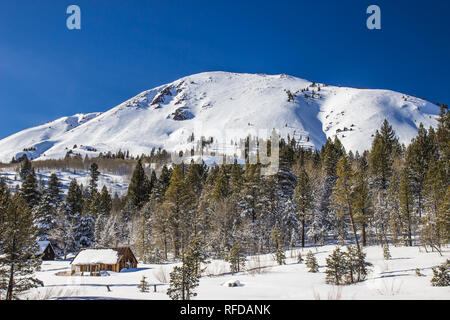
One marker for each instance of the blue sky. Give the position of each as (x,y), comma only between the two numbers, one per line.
(126,47)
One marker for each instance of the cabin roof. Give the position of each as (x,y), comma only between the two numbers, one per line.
(100,255)
(43,245)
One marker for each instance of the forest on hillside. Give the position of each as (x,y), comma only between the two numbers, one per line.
(391,194)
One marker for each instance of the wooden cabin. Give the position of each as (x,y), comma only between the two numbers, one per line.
(46,250)
(92,261)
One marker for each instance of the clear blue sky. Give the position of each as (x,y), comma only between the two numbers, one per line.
(125,47)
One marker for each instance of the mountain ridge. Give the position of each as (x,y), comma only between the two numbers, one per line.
(214,103)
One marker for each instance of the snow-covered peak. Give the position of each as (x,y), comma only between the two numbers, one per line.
(228,106)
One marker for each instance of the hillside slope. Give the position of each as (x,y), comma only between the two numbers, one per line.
(227,106)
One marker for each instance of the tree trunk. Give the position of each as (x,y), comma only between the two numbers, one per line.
(9,292)
(353,227)
(364,241)
(303,232)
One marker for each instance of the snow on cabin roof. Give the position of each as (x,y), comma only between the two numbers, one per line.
(42,246)
(95,256)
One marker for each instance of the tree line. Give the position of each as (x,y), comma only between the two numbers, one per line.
(391,194)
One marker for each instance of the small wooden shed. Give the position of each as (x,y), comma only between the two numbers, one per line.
(94,260)
(46,250)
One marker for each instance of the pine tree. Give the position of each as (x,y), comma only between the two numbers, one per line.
(143,286)
(304,200)
(94,174)
(175,203)
(406,204)
(384,148)
(236,258)
(444,217)
(336,267)
(343,193)
(299,258)
(311,262)
(356,265)
(62,235)
(54,190)
(185,278)
(29,190)
(441,275)
(419,154)
(386,252)
(45,215)
(25,168)
(362,198)
(19,259)
(277,239)
(139,188)
(143,242)
(433,232)
(105,202)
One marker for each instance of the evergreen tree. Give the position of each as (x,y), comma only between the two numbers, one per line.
(144,243)
(62,235)
(304,200)
(143,286)
(25,168)
(19,259)
(175,203)
(311,262)
(29,190)
(277,239)
(139,188)
(362,199)
(441,275)
(406,205)
(94,174)
(444,217)
(185,278)
(105,202)
(419,154)
(356,265)
(343,193)
(386,252)
(336,267)
(236,258)
(54,190)
(433,232)
(221,188)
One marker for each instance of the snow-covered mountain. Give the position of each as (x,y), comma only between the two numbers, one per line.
(227,106)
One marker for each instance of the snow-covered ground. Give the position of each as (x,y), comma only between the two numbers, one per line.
(114,183)
(227,106)
(391,279)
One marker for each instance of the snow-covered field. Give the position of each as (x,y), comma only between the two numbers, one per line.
(391,279)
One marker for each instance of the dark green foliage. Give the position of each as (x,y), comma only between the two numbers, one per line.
(277,239)
(304,200)
(29,190)
(139,188)
(18,247)
(236,258)
(385,147)
(185,278)
(143,286)
(25,168)
(311,262)
(441,275)
(336,267)
(299,258)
